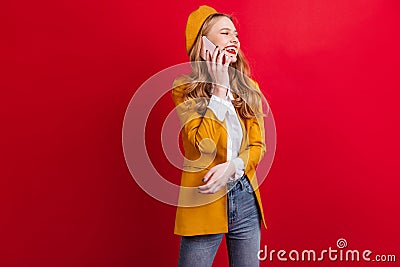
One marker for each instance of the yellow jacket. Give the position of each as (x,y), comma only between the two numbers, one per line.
(205,145)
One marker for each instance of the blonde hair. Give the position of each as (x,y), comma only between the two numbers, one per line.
(247,97)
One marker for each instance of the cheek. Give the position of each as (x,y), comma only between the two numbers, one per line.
(220,41)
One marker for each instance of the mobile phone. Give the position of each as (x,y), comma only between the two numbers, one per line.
(208,45)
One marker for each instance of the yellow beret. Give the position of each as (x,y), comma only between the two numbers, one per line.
(194,23)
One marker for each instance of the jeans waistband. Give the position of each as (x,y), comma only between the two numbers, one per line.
(239,183)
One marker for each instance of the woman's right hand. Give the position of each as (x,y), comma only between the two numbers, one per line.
(217,177)
(218,65)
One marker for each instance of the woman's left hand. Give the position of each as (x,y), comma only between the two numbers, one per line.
(217,177)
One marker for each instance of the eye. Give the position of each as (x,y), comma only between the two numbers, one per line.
(224,33)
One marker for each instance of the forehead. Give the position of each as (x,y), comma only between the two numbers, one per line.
(223,22)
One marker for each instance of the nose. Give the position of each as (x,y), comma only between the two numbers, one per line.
(234,39)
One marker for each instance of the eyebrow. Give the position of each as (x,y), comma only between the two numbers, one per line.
(227,29)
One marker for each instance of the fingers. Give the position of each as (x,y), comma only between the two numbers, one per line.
(208,60)
(214,60)
(217,64)
(210,180)
(212,190)
(205,187)
(220,56)
(215,54)
(211,187)
(215,179)
(228,61)
(208,175)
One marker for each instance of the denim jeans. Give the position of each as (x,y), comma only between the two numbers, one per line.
(242,239)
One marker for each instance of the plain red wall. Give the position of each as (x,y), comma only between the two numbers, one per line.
(330,70)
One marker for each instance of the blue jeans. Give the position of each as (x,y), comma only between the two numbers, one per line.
(242,239)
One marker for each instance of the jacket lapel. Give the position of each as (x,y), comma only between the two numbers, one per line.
(244,131)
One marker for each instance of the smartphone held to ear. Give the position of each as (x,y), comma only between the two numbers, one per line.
(208,45)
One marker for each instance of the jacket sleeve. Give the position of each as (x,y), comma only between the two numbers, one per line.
(203,132)
(256,148)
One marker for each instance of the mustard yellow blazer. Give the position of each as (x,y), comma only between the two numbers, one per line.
(205,145)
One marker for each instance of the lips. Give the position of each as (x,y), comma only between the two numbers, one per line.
(232,49)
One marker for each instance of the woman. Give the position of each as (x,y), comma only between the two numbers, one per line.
(220,110)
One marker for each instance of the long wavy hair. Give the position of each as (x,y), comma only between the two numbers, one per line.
(247,97)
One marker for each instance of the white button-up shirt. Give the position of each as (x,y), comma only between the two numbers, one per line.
(224,109)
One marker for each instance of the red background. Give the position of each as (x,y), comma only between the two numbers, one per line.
(330,70)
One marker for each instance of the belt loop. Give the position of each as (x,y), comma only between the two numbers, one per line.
(241,183)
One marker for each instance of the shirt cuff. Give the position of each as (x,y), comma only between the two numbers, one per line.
(219,106)
(239,167)
(230,96)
